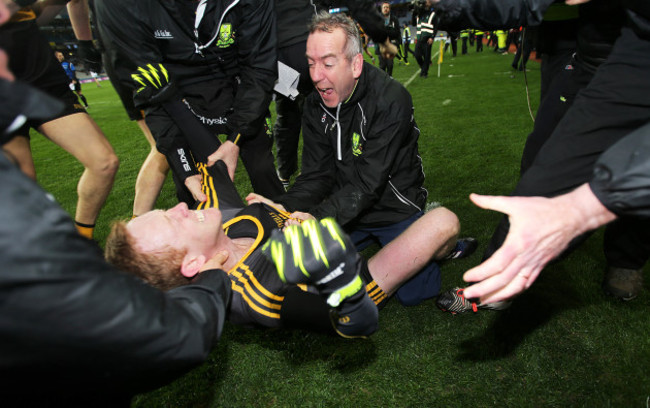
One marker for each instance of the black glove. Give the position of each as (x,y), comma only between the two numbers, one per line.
(319,254)
(154,85)
(90,56)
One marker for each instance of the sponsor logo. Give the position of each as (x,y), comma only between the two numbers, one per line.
(203,119)
(183,157)
(226,36)
(332,275)
(357,148)
(163,34)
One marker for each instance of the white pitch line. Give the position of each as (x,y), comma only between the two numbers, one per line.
(407,83)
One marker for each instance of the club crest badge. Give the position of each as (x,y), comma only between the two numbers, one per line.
(357,149)
(226,36)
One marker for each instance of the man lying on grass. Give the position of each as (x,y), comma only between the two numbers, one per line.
(168,248)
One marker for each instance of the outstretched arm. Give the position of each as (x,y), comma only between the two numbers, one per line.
(540,229)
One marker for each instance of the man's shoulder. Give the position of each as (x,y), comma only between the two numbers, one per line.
(385,90)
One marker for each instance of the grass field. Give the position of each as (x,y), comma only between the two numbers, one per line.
(561,344)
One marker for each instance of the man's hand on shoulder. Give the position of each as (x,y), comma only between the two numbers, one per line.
(253,198)
(298,218)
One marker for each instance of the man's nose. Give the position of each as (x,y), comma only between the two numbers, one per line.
(316,74)
(180,209)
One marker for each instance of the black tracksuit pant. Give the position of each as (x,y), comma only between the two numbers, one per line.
(613,104)
(423,56)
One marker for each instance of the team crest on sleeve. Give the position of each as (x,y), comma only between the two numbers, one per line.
(357,148)
(226,36)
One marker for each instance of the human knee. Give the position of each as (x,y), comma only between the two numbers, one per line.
(106,166)
(447,221)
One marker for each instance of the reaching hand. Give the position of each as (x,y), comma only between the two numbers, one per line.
(229,153)
(540,229)
(193,183)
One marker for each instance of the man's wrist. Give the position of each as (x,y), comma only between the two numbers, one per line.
(589,212)
(234,137)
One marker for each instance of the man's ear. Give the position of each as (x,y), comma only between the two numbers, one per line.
(191,265)
(357,65)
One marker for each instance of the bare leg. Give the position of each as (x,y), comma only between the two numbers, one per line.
(151,176)
(20,150)
(80,136)
(431,237)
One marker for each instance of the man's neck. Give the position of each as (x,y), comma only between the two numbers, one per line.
(237,249)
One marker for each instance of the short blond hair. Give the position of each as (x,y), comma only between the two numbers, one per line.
(161,269)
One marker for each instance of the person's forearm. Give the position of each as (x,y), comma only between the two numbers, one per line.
(80,19)
(587,212)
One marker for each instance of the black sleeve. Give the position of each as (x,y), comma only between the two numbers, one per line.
(638,13)
(318,171)
(622,175)
(257,58)
(457,15)
(66,312)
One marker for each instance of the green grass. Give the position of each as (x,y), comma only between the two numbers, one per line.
(561,344)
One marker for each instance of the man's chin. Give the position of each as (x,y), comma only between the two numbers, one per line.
(212,215)
(329,103)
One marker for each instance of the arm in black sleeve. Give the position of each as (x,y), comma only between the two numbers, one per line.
(318,172)
(456,15)
(257,58)
(69,317)
(622,175)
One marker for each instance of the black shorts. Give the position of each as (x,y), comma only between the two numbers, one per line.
(38,67)
(72,106)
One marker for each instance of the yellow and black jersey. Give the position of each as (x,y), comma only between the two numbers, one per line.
(258,292)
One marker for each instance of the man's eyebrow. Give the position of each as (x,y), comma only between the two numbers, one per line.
(330,55)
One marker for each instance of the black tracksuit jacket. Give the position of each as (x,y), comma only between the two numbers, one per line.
(360,161)
(240,53)
(74,331)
